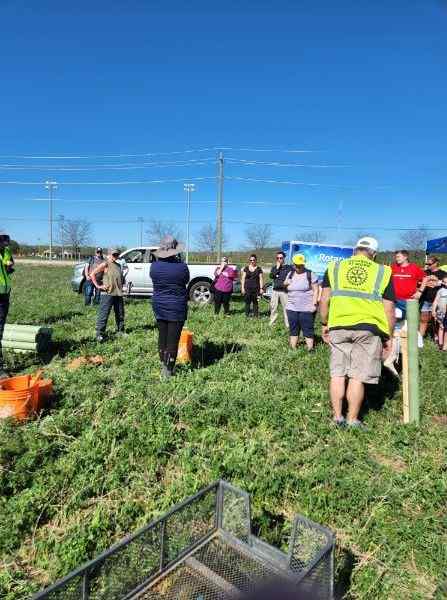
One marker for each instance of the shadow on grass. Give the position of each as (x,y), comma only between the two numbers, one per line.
(144,327)
(377,395)
(210,353)
(346,563)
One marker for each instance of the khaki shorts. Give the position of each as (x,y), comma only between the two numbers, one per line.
(356,354)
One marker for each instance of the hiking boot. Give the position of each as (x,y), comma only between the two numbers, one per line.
(339,422)
(356,424)
(100,339)
(165,372)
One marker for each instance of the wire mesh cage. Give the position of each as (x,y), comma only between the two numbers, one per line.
(203,549)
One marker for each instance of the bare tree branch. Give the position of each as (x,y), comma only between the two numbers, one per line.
(74,233)
(206,238)
(159,229)
(414,239)
(312,236)
(259,236)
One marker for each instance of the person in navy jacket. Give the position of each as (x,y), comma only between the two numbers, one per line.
(170,278)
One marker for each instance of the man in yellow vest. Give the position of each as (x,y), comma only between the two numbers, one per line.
(357,315)
(6,268)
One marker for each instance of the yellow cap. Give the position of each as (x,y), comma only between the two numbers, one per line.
(298,259)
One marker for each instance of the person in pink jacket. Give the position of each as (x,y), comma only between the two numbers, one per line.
(224,276)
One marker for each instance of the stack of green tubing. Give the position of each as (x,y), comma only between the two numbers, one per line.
(26,338)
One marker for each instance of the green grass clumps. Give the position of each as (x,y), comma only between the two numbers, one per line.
(119,446)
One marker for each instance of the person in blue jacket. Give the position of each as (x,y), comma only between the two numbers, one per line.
(170,278)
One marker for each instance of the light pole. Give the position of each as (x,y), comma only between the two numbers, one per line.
(50,186)
(140,220)
(188,187)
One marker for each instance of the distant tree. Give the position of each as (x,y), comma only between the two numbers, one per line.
(160,229)
(259,236)
(74,233)
(206,238)
(311,236)
(414,239)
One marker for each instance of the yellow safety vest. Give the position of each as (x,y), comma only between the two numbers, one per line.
(5,280)
(357,287)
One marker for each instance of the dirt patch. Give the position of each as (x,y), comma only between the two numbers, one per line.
(440,420)
(395,464)
(81,361)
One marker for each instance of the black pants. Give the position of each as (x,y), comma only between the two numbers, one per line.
(169,336)
(168,339)
(106,304)
(4,307)
(222,299)
(251,298)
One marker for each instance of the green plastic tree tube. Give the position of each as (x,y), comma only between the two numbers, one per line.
(413,359)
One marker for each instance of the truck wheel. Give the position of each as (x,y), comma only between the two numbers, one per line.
(200,292)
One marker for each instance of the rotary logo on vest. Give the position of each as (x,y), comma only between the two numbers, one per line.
(357,275)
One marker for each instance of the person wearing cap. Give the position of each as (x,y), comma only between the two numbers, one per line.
(109,278)
(357,315)
(224,277)
(278,274)
(6,268)
(302,301)
(92,294)
(170,278)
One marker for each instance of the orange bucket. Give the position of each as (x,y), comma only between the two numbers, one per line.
(184,354)
(19,396)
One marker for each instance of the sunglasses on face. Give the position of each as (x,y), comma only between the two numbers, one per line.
(280,258)
(252,259)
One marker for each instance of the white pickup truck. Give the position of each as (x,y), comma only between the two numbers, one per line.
(138,280)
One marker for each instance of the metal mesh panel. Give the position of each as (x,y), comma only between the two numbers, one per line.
(189,525)
(72,590)
(184,584)
(311,548)
(318,582)
(236,513)
(237,568)
(128,567)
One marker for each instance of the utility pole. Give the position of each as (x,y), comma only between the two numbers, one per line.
(188,187)
(50,186)
(62,234)
(220,184)
(140,231)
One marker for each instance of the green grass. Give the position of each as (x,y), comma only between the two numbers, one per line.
(119,447)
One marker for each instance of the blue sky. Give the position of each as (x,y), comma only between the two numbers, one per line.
(361,84)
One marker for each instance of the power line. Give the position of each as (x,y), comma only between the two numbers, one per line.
(153,181)
(118,167)
(242,162)
(231,222)
(149,154)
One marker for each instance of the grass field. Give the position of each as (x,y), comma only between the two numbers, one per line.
(118,447)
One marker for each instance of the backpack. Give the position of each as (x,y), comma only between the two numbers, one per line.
(309,277)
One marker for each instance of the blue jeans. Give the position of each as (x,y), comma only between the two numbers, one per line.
(92,294)
(107,303)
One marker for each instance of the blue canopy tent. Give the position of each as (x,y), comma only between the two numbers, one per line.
(437,246)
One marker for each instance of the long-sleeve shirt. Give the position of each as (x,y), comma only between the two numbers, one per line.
(170,299)
(279,274)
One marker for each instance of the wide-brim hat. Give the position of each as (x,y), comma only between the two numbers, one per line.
(168,247)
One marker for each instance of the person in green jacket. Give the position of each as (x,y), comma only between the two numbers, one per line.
(6,268)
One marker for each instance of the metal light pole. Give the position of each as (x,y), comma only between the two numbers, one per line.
(140,232)
(219,233)
(188,187)
(50,186)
